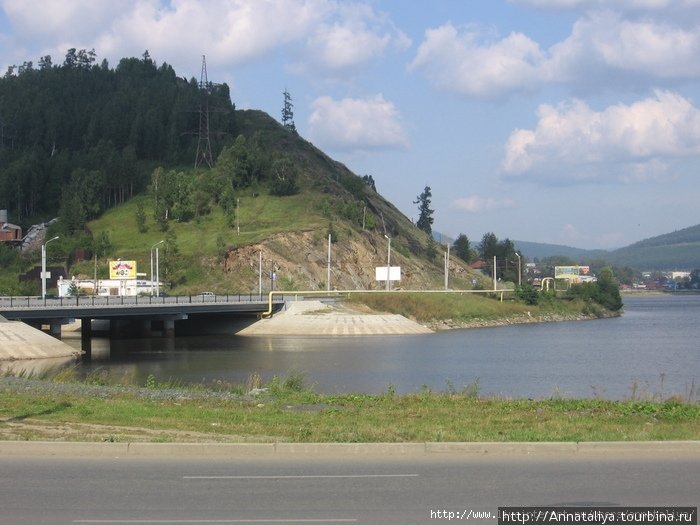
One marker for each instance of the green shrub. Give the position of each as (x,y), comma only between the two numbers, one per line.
(527,294)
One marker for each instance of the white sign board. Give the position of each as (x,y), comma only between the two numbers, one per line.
(394,273)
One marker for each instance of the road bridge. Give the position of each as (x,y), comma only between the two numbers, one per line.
(127,315)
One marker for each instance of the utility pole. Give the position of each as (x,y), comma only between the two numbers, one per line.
(328,279)
(260,274)
(494,273)
(44,275)
(388,264)
(447,267)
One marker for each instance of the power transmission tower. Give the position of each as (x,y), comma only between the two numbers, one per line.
(288,112)
(203,143)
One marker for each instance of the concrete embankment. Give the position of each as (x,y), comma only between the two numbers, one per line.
(19,341)
(317,318)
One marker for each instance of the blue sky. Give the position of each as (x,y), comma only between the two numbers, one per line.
(573,122)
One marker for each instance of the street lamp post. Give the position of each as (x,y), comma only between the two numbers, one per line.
(156,244)
(519,272)
(43,267)
(328,277)
(388,263)
(447,267)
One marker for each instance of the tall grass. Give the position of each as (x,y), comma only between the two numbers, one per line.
(426,307)
(287,409)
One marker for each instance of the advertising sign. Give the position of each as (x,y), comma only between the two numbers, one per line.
(566,272)
(122,269)
(394,273)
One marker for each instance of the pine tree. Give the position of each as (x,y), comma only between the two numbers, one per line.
(425,219)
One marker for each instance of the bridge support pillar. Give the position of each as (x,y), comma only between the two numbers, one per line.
(168,327)
(55,328)
(86,337)
(146,328)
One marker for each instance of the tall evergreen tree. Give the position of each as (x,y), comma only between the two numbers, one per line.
(461,248)
(425,218)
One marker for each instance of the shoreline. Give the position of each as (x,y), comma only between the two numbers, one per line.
(450,324)
(315,318)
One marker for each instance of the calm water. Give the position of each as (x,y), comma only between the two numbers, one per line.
(652,349)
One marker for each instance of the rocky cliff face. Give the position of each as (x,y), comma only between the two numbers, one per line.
(300,261)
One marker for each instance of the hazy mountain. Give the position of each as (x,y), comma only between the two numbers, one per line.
(678,250)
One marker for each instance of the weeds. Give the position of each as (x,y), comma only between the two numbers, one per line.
(290,410)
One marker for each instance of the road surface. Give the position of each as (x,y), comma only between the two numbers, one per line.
(334,489)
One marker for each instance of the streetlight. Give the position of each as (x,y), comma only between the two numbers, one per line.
(519,272)
(447,267)
(328,278)
(388,263)
(43,267)
(157,276)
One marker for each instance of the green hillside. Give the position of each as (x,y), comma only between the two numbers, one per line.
(110,152)
(212,252)
(678,250)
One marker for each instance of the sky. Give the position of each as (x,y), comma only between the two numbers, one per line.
(572,122)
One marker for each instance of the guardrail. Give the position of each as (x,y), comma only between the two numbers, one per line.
(336,293)
(36,301)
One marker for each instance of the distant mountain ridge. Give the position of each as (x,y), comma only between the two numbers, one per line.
(678,250)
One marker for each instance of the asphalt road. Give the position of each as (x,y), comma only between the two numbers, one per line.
(362,490)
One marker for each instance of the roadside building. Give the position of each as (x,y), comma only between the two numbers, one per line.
(105,287)
(9,233)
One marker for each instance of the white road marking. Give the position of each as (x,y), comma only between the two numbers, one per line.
(300,520)
(321,476)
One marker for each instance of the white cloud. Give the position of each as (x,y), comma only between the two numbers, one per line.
(603,49)
(352,38)
(61,19)
(476,204)
(609,4)
(459,62)
(227,31)
(604,43)
(327,34)
(630,142)
(356,124)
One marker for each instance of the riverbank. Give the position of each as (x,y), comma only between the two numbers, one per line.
(450,324)
(19,341)
(286,411)
(317,318)
(408,314)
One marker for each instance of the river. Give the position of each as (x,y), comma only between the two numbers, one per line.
(650,351)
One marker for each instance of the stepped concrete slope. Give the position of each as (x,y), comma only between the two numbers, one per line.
(317,318)
(21,341)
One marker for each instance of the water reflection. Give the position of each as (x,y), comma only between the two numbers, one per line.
(651,350)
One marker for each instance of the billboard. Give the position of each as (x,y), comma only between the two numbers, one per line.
(565,272)
(122,269)
(394,273)
(573,273)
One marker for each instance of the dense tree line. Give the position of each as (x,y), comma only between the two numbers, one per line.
(82,136)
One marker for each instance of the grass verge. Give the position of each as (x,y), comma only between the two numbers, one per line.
(286,411)
(470,309)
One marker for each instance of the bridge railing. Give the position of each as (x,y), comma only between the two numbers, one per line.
(115,300)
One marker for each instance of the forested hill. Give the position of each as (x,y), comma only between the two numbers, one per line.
(86,134)
(678,250)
